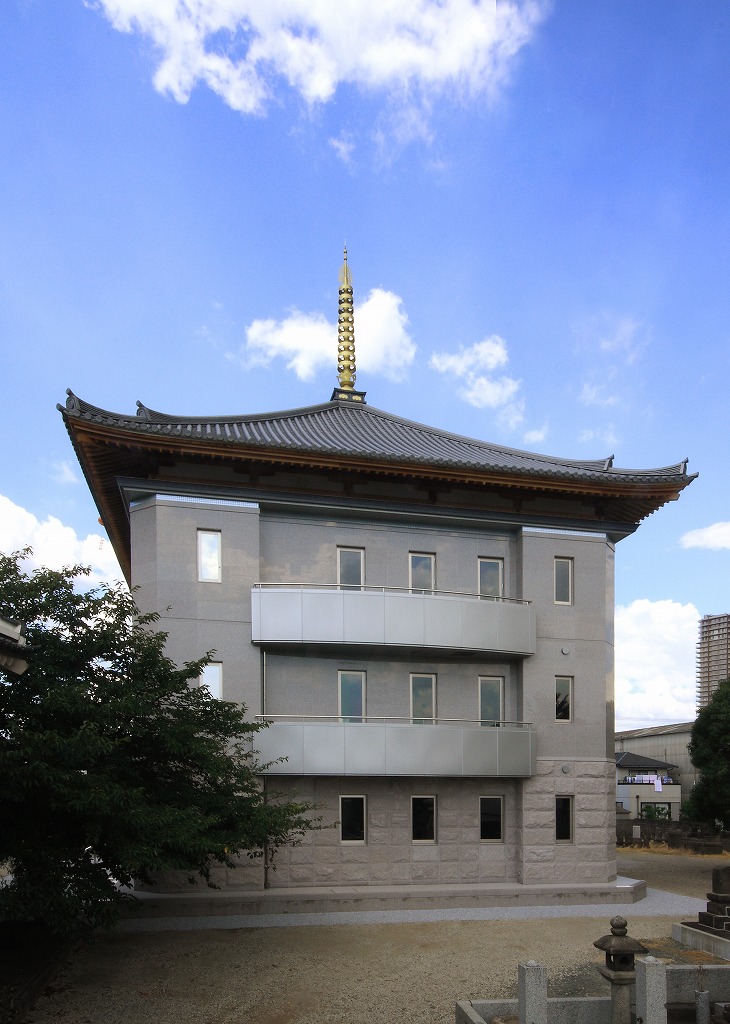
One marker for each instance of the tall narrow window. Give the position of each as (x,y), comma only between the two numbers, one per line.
(491,700)
(423,699)
(422,572)
(209,556)
(423,819)
(490,819)
(564,819)
(351,568)
(563,698)
(352,819)
(352,696)
(563,581)
(491,577)
(212,679)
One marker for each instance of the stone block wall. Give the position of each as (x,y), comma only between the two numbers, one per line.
(389,857)
(590,856)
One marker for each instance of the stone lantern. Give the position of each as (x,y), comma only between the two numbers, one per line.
(620,968)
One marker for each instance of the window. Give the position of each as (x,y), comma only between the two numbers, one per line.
(563,819)
(490,819)
(422,572)
(212,679)
(351,568)
(423,819)
(563,581)
(352,819)
(351,696)
(491,700)
(423,699)
(563,698)
(209,556)
(491,577)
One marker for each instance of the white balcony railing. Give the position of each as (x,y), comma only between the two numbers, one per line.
(305,614)
(396,747)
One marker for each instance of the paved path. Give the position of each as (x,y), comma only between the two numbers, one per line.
(657,904)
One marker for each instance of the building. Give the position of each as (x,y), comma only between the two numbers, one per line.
(425,619)
(713,656)
(13,647)
(646,787)
(666,743)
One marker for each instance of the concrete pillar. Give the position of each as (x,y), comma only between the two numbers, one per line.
(702,1006)
(532,993)
(651,991)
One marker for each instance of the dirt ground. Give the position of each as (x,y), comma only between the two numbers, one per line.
(356,973)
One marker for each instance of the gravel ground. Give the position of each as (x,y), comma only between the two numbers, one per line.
(365,972)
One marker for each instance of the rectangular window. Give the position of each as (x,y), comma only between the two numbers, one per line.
(490,819)
(351,568)
(563,819)
(209,556)
(351,696)
(423,819)
(352,819)
(563,581)
(563,698)
(422,572)
(491,577)
(423,699)
(212,679)
(491,700)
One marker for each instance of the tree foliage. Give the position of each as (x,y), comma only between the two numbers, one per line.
(709,749)
(111,766)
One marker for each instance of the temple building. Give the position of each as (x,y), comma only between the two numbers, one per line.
(424,619)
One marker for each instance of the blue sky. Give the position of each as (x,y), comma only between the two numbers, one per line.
(534,199)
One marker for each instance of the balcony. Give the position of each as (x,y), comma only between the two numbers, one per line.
(382,616)
(396,747)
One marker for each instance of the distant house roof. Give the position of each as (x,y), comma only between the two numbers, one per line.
(625,759)
(655,730)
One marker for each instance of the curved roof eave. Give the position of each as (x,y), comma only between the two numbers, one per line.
(370,437)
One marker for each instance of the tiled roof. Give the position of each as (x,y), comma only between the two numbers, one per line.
(363,432)
(625,759)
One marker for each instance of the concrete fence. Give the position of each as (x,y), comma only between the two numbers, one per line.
(662,992)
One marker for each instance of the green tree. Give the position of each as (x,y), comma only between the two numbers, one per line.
(709,749)
(111,766)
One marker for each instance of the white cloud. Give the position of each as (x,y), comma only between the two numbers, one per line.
(308,341)
(623,336)
(479,387)
(484,355)
(245,50)
(64,473)
(655,663)
(715,537)
(344,147)
(55,545)
(592,394)
(537,435)
(602,436)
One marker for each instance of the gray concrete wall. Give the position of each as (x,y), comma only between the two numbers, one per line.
(575,640)
(303,549)
(201,616)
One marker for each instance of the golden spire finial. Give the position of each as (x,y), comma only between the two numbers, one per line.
(346,330)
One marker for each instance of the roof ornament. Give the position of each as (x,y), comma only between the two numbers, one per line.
(346,341)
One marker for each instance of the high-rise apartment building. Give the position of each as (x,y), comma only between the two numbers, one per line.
(713,656)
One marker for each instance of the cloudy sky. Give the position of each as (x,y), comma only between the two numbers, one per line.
(534,196)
